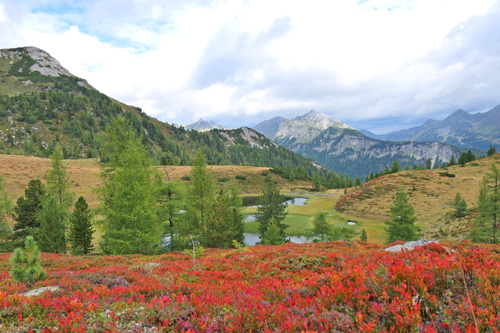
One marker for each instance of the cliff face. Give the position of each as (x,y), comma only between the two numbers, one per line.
(350,151)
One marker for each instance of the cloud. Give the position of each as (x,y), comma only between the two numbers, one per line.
(240,62)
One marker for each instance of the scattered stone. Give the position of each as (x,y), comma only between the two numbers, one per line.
(39,291)
(410,245)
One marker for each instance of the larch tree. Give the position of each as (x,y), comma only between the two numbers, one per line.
(130,223)
(271,206)
(201,193)
(51,236)
(59,183)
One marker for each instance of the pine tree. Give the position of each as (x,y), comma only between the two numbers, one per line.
(316,181)
(130,223)
(321,230)
(491,151)
(363,237)
(357,181)
(272,236)
(395,167)
(5,228)
(428,164)
(25,211)
(452,161)
(51,236)
(271,205)
(80,232)
(401,225)
(459,205)
(26,263)
(224,224)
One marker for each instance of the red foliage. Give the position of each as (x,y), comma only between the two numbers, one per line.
(322,287)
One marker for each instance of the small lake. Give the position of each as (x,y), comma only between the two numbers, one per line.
(251,202)
(252,239)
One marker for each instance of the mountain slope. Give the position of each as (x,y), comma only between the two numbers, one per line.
(269,127)
(43,105)
(203,125)
(305,128)
(460,128)
(349,151)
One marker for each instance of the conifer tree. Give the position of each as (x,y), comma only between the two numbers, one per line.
(321,230)
(51,236)
(201,193)
(272,236)
(357,181)
(316,181)
(428,164)
(459,205)
(401,225)
(395,167)
(58,183)
(452,161)
(271,205)
(81,231)
(26,263)
(25,211)
(130,223)
(5,207)
(363,237)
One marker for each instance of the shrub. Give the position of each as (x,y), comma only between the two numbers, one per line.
(447,174)
(26,263)
(223,179)
(186,178)
(264,173)
(241,177)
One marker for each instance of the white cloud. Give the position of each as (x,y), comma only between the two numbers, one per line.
(244,60)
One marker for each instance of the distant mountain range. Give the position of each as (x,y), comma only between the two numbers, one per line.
(462,129)
(344,149)
(203,125)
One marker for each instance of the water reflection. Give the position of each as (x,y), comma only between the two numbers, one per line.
(252,239)
(251,202)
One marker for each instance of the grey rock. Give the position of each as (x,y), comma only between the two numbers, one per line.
(410,245)
(39,291)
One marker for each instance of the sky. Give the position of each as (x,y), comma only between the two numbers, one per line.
(380,65)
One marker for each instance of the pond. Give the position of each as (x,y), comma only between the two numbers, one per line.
(252,239)
(251,202)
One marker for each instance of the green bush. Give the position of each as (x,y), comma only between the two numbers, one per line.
(447,174)
(264,173)
(187,178)
(26,263)
(223,179)
(241,177)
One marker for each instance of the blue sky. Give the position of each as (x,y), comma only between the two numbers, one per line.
(380,65)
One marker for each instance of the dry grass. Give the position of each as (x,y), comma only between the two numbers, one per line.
(429,193)
(19,170)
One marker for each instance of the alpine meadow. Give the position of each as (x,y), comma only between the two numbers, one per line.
(263,215)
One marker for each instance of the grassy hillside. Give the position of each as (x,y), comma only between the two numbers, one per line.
(429,192)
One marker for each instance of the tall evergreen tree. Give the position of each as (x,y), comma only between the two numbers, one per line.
(51,236)
(395,167)
(130,223)
(316,182)
(81,231)
(201,193)
(273,234)
(452,161)
(5,228)
(401,225)
(25,211)
(459,205)
(321,230)
(271,205)
(58,183)
(428,164)
(224,224)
